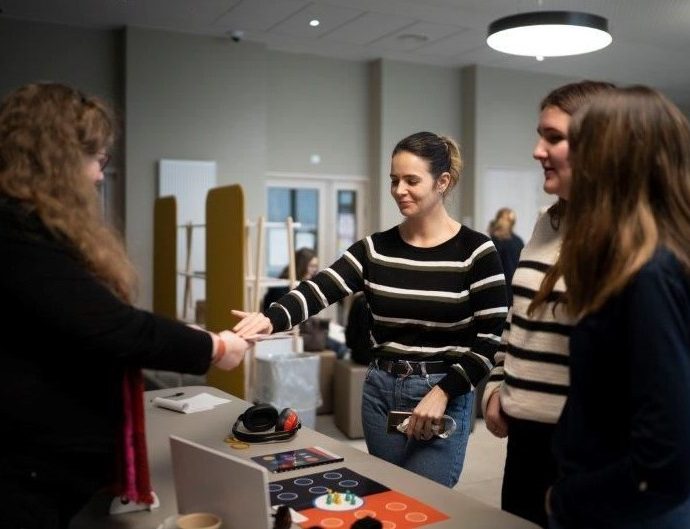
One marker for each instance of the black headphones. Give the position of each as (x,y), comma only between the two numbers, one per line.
(262,417)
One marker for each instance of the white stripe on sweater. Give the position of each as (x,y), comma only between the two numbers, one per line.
(414,293)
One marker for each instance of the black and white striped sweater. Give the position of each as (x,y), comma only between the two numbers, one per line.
(445,303)
(531,369)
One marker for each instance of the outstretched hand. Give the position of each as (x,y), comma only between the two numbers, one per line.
(235,348)
(251,324)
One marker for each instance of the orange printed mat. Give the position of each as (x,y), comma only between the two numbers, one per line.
(337,498)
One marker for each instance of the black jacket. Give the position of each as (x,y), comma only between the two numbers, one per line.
(66,342)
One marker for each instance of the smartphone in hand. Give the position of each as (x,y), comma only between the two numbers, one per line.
(394,419)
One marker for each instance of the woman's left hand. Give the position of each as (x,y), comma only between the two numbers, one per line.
(251,323)
(429,412)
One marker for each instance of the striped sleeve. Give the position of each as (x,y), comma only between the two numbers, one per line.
(342,278)
(497,373)
(489,306)
(531,366)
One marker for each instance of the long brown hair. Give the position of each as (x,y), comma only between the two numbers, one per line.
(303,257)
(568,98)
(630,193)
(46,131)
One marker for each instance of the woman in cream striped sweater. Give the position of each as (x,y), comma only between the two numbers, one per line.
(527,387)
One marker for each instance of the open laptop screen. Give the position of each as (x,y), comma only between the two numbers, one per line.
(208,480)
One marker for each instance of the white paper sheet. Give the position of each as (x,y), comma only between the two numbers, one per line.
(200,402)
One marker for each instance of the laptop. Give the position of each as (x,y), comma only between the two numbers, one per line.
(208,480)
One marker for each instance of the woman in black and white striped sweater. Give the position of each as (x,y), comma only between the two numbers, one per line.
(437,296)
(527,388)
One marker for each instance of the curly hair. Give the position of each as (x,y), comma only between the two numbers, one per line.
(46,132)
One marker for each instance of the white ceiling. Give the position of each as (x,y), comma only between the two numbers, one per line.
(650,37)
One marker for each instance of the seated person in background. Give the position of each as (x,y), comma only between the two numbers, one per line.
(306,266)
(508,244)
(314,330)
(73,343)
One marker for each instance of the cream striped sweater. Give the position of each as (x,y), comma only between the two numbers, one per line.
(531,370)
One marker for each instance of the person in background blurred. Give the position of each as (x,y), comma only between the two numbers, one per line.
(306,265)
(623,441)
(72,341)
(508,244)
(526,390)
(314,331)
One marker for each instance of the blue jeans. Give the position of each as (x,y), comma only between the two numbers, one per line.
(438,459)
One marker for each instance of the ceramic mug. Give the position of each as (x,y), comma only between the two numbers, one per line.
(198,520)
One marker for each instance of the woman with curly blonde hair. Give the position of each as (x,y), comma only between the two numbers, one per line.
(67,285)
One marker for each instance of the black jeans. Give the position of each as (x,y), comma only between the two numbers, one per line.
(530,469)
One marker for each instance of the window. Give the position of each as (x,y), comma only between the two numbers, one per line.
(330,212)
(302,204)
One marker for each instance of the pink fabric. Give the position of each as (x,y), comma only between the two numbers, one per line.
(134,479)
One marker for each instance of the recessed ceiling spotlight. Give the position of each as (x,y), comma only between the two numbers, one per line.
(314,22)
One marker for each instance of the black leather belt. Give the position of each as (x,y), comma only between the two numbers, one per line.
(407,368)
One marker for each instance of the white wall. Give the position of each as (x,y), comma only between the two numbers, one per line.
(88,59)
(317,106)
(412,98)
(506,107)
(91,60)
(189,98)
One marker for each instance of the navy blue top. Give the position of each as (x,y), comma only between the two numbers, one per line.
(623,440)
(509,252)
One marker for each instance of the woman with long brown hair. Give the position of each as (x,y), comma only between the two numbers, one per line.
(526,390)
(623,441)
(72,341)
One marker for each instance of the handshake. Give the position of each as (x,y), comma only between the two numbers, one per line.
(229,347)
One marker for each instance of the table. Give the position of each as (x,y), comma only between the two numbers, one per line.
(211,427)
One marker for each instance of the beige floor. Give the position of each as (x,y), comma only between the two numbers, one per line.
(483,470)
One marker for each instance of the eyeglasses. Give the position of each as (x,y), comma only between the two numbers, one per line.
(103,160)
